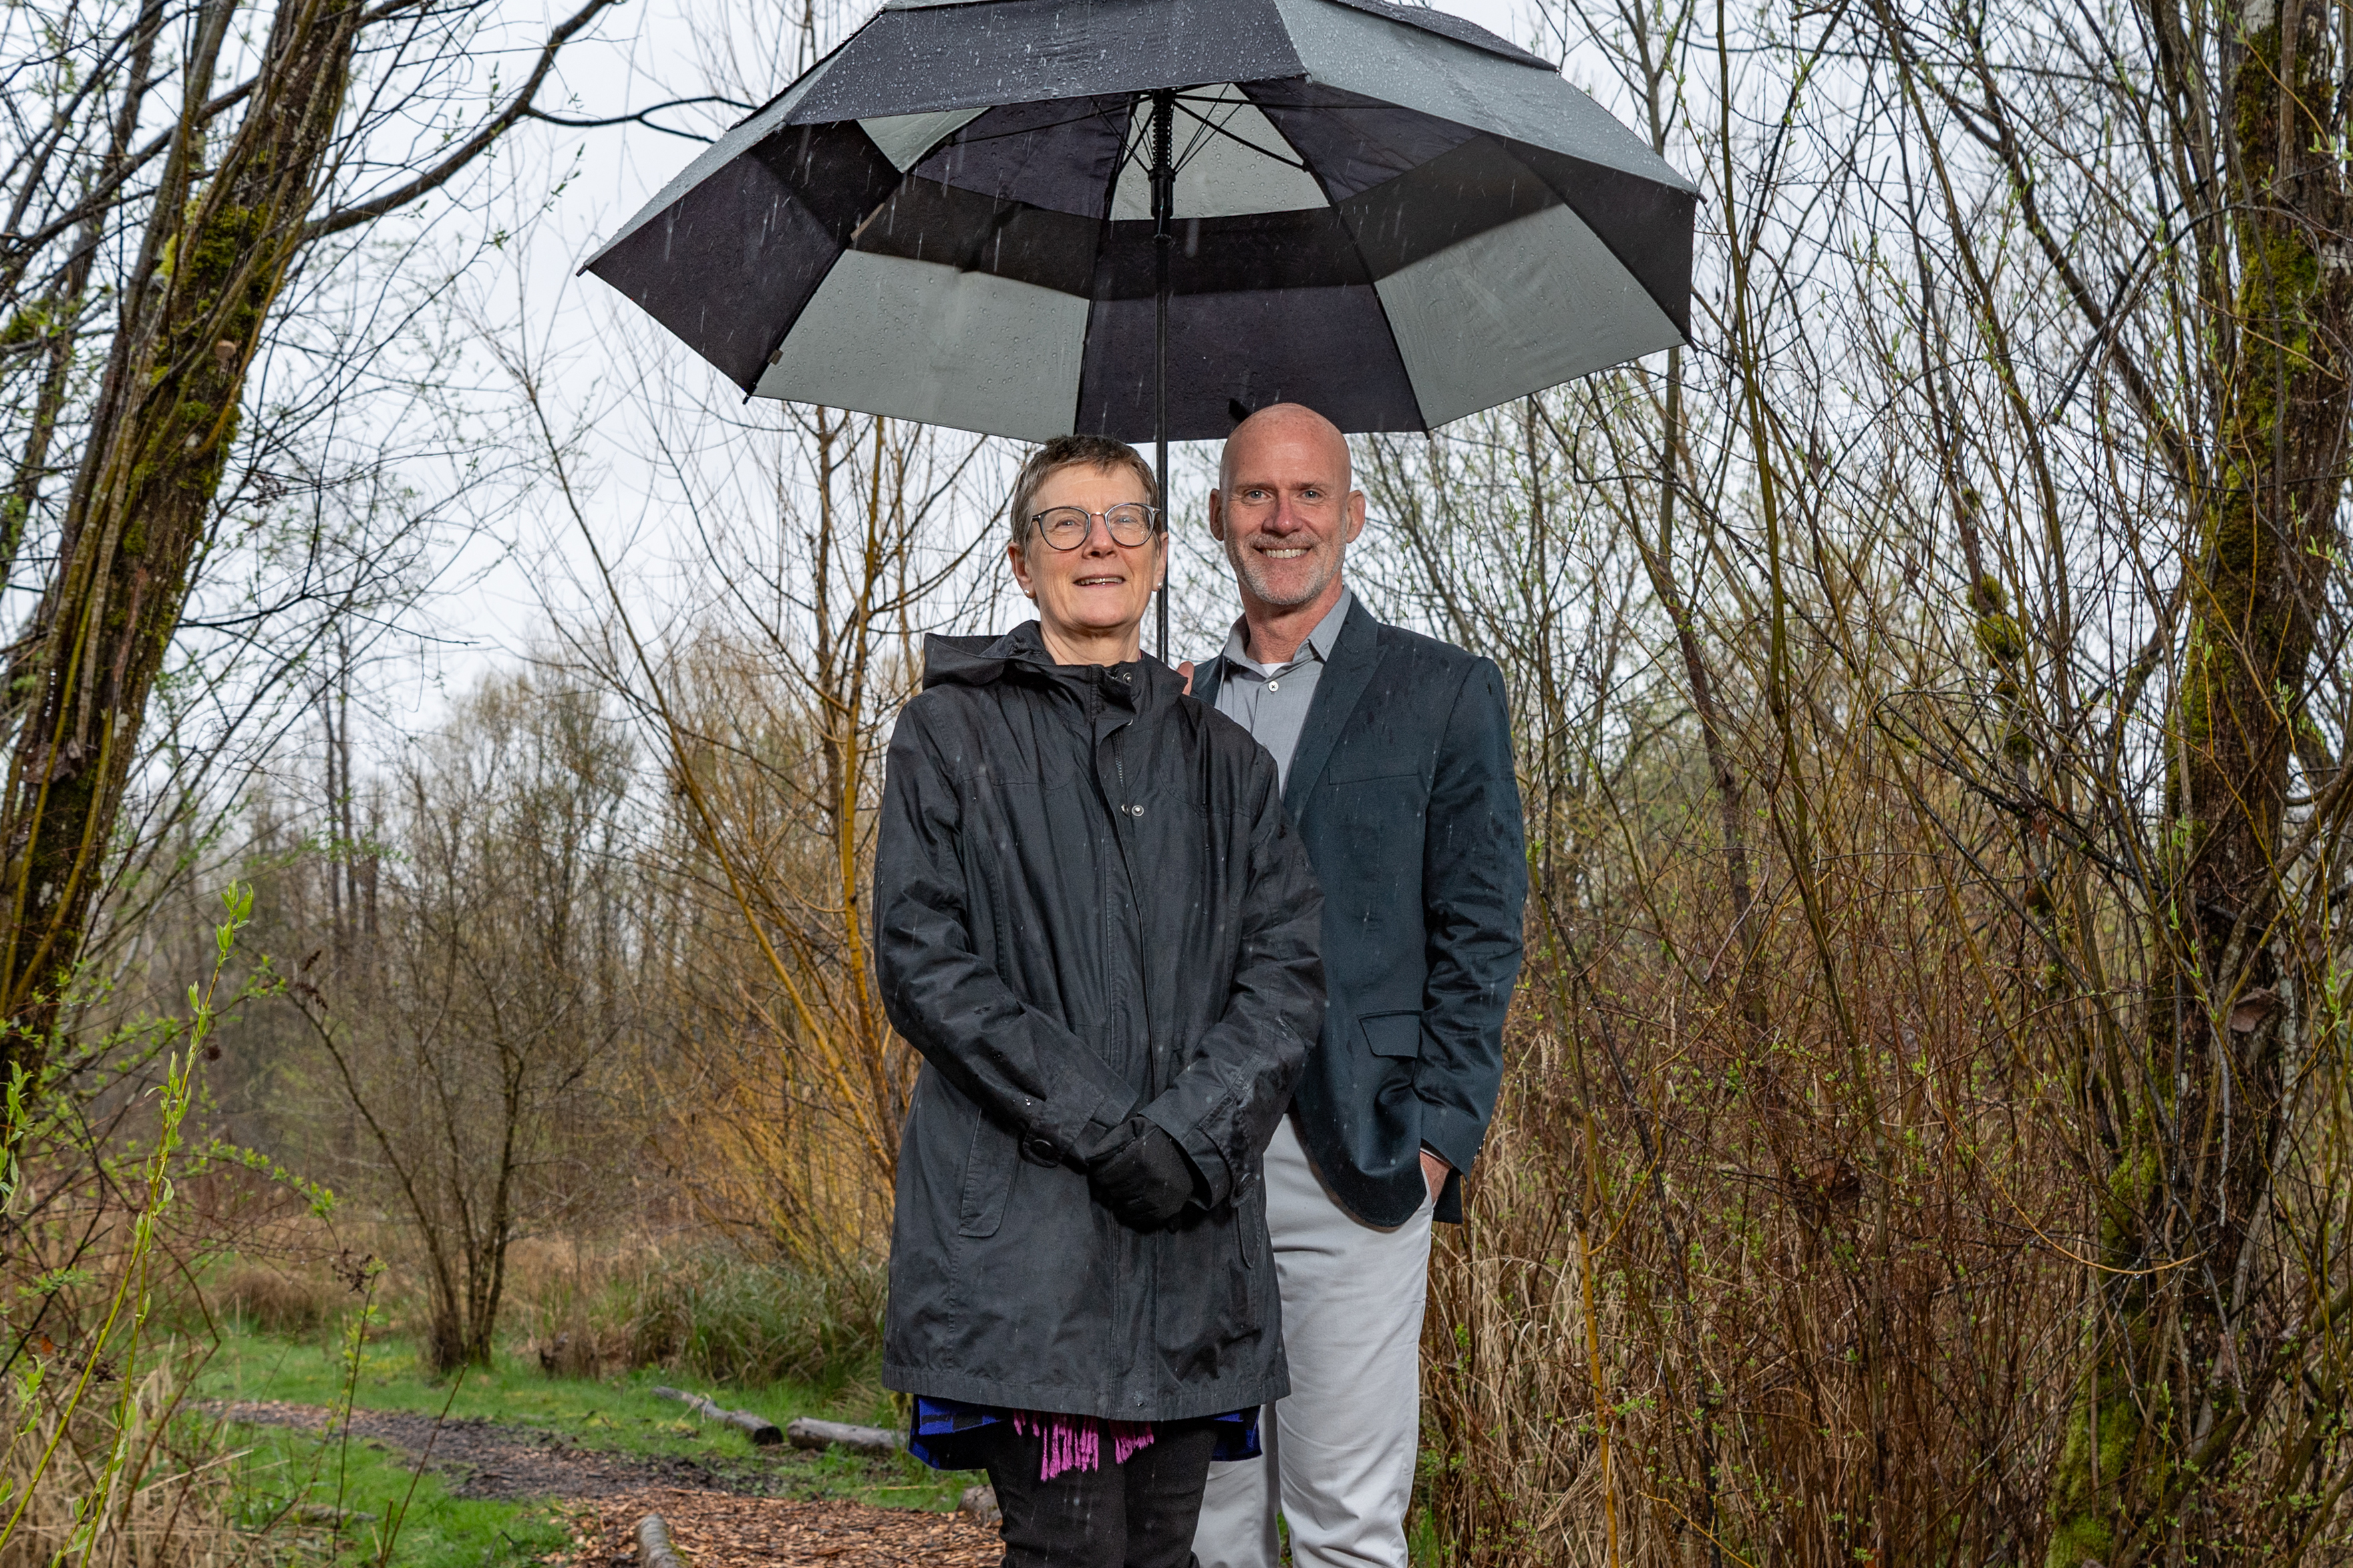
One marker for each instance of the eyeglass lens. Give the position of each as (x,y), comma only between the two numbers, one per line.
(1067,527)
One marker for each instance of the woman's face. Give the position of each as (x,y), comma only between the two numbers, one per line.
(1100,590)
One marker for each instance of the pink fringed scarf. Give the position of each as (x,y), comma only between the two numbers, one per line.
(1075,1442)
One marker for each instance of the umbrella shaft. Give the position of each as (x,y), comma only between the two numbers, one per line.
(1164,197)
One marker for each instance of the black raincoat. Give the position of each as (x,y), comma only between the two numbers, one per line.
(1088,904)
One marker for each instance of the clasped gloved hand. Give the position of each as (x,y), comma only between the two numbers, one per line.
(1143,1177)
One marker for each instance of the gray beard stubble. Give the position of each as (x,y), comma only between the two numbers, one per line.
(1247,568)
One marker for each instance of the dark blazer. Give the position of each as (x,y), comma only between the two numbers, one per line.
(1402,790)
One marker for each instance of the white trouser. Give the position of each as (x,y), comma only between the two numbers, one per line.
(1344,1442)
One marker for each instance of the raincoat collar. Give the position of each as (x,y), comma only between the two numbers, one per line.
(1020,654)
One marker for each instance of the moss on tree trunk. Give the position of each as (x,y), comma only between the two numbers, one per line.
(2191,1129)
(144,500)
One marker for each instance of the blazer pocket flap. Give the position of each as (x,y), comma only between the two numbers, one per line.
(1393,1034)
(1371,768)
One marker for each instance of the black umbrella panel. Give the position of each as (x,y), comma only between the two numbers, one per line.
(1377,210)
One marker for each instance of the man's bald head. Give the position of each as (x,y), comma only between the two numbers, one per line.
(1286,509)
(1287,422)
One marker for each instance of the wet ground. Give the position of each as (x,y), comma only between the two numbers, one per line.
(712,1529)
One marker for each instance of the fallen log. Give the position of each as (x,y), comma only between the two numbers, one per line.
(654,1549)
(808,1432)
(759,1429)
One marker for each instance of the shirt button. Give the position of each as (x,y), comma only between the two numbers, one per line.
(1274,686)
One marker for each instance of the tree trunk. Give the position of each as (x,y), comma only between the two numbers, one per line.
(144,499)
(2191,1130)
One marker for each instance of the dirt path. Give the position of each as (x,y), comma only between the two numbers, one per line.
(483,1459)
(718,1517)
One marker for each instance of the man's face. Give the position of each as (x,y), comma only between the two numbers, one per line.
(1285,513)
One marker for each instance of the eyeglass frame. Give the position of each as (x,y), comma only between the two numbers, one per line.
(1037,527)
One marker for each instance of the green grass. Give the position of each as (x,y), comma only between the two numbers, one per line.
(298,1488)
(285,1469)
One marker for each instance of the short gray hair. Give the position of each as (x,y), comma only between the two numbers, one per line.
(1076,451)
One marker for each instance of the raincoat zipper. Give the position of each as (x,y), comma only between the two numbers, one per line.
(1126,808)
(1131,1257)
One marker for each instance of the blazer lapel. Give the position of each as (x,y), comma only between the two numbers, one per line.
(1207,675)
(1355,656)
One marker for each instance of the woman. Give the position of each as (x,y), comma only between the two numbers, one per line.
(1094,922)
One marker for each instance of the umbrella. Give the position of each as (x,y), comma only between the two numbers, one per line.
(1144,219)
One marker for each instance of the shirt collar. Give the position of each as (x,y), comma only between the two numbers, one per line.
(1318,645)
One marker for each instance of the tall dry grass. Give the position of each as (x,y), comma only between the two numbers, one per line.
(136,1482)
(1796,1296)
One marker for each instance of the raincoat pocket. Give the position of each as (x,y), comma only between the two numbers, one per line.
(1250,1221)
(990,1167)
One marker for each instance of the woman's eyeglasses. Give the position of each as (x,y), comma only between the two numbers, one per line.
(1067,527)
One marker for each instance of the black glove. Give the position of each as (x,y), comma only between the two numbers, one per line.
(1143,1178)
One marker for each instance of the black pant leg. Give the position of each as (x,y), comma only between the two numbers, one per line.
(1077,1519)
(1165,1483)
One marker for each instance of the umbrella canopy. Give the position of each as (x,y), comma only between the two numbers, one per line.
(1377,210)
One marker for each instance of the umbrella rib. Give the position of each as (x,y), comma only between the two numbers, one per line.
(1132,151)
(1213,128)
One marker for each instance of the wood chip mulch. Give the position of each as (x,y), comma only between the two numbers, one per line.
(714,1530)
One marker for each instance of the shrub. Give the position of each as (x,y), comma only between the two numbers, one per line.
(710,1312)
(293,1301)
(735,1321)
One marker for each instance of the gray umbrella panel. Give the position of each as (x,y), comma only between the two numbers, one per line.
(983,257)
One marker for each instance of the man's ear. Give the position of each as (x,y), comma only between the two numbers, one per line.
(1356,516)
(1216,516)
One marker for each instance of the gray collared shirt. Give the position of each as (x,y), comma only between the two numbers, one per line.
(1270,700)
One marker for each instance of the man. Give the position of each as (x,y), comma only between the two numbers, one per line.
(1395,756)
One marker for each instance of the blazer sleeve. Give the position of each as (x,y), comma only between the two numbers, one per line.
(1022,1068)
(1223,1107)
(1474,887)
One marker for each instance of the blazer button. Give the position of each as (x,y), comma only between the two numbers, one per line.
(1041,1151)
